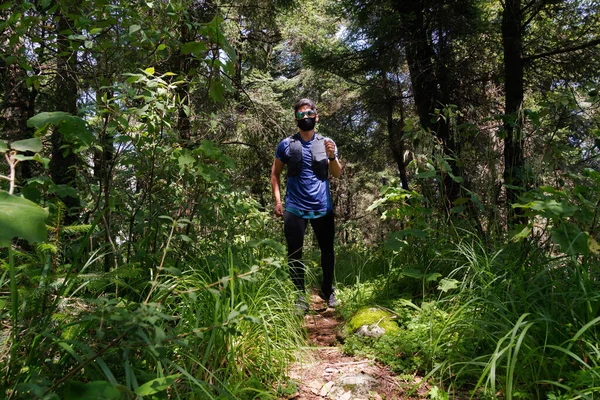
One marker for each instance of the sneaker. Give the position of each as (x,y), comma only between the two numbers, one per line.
(332,301)
(301,304)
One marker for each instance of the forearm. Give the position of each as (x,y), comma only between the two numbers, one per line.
(275,184)
(335,168)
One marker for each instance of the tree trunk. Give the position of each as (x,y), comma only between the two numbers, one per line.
(64,163)
(427,87)
(182,66)
(395,133)
(514,161)
(17,106)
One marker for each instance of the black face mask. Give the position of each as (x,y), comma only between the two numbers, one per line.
(307,124)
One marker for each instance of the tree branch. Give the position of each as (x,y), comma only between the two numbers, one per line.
(536,6)
(564,50)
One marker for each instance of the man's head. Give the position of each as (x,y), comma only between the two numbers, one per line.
(305,112)
(302,103)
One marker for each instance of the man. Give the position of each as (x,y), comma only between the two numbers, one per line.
(310,159)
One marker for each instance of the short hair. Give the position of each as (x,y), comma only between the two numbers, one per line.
(305,102)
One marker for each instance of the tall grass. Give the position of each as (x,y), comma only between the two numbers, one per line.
(515,322)
(215,326)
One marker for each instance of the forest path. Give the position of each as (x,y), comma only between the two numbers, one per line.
(324,372)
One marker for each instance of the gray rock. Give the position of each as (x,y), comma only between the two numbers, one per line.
(358,384)
(372,330)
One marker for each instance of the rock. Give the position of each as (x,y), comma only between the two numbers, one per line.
(345,396)
(377,321)
(357,386)
(372,330)
(315,386)
(326,388)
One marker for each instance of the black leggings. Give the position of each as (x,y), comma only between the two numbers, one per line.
(294,228)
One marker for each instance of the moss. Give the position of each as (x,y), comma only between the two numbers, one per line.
(373,315)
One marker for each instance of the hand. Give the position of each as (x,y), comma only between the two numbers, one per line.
(278,210)
(329,148)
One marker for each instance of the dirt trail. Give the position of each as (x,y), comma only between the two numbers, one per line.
(326,373)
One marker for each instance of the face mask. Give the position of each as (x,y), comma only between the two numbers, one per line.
(307,124)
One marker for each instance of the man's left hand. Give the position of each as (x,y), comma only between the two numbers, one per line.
(329,148)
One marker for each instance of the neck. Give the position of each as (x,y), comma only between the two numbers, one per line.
(306,135)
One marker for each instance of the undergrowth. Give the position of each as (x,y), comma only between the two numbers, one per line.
(495,321)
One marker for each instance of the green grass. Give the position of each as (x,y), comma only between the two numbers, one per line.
(517,322)
(214,327)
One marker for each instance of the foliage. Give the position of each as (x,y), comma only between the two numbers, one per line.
(138,255)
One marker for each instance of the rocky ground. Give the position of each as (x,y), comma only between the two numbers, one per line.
(324,372)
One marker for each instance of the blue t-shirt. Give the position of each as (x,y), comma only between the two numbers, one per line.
(306,196)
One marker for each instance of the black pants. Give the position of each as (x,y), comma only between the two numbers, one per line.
(294,228)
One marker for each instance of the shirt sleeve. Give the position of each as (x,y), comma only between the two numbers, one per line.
(282,151)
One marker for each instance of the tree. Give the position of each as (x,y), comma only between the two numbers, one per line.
(19,93)
(520,51)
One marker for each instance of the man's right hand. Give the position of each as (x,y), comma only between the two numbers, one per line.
(278,210)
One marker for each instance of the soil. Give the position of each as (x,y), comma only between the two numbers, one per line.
(323,367)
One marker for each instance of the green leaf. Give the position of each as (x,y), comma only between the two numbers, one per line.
(412,232)
(185,238)
(156,385)
(426,174)
(3,146)
(21,218)
(43,160)
(33,144)
(74,129)
(210,173)
(186,159)
(457,179)
(133,78)
(593,245)
(520,232)
(571,239)
(448,284)
(434,276)
(209,149)
(149,71)
(64,191)
(216,91)
(42,119)
(77,37)
(193,47)
(554,207)
(20,157)
(173,271)
(394,242)
(134,28)
(412,273)
(97,390)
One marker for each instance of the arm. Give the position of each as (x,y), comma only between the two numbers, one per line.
(275,184)
(335,167)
